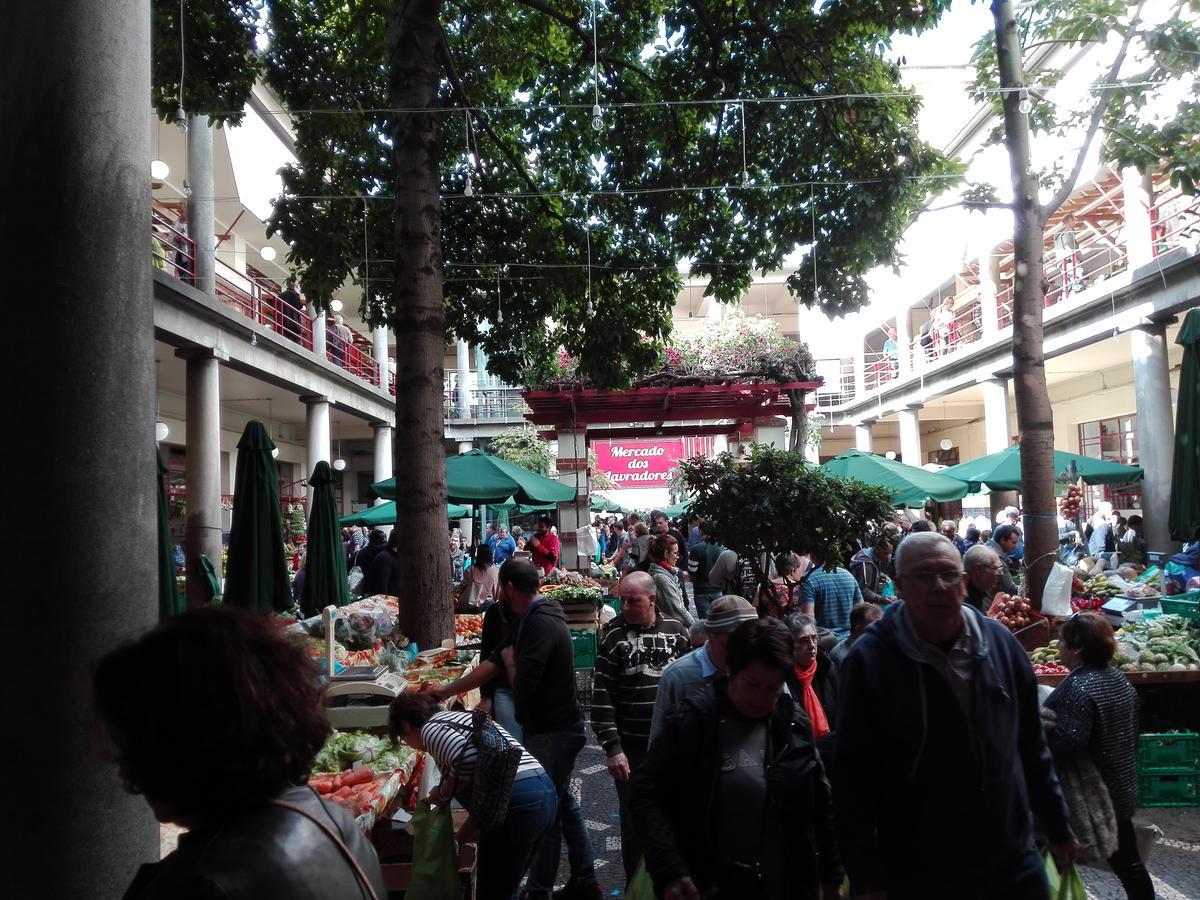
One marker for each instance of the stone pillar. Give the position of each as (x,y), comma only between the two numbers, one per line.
(988,315)
(317,444)
(572,471)
(462,353)
(904,341)
(379,350)
(1155,430)
(997,436)
(77,125)
(319,334)
(860,368)
(201,203)
(862,438)
(383,458)
(202,468)
(1139,241)
(910,436)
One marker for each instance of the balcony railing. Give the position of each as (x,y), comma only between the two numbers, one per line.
(484,404)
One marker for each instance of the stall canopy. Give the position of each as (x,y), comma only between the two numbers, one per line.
(385,514)
(476,477)
(909,485)
(325,583)
(1184,519)
(679,509)
(1002,471)
(601,504)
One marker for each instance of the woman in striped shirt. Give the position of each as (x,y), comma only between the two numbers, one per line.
(506,850)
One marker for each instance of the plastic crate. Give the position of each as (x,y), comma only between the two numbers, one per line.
(1173,751)
(584,679)
(615,603)
(583,642)
(1185,605)
(1169,789)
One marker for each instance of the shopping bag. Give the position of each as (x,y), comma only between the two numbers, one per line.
(641,885)
(1056,595)
(435,855)
(1064,885)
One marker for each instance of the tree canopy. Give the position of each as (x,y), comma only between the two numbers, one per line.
(559,236)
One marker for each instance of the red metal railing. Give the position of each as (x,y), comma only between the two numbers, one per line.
(170,247)
(342,349)
(1174,220)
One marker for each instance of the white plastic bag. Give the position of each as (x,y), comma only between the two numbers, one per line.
(1056,596)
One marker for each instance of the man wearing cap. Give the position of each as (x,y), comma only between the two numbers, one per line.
(695,669)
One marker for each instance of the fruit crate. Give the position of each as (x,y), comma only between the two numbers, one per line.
(583,642)
(1169,789)
(1186,606)
(584,681)
(1174,751)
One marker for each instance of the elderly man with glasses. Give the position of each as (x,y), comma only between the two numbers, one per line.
(984,569)
(948,696)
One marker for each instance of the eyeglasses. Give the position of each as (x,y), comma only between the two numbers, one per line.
(931,579)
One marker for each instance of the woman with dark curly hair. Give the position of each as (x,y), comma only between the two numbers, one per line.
(215,718)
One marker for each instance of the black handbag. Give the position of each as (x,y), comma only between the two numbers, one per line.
(496,761)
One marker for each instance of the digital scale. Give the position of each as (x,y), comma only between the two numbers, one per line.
(362,692)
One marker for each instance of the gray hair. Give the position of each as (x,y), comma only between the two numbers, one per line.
(980,555)
(639,580)
(918,545)
(797,622)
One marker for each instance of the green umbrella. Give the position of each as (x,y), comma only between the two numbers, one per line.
(325,583)
(1184,517)
(910,485)
(256,576)
(481,478)
(386,514)
(1002,471)
(168,593)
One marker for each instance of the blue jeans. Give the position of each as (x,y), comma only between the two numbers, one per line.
(703,601)
(504,711)
(556,751)
(505,852)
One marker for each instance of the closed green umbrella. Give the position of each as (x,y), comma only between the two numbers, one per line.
(1184,518)
(325,583)
(256,576)
(480,478)
(910,485)
(1002,471)
(168,593)
(387,514)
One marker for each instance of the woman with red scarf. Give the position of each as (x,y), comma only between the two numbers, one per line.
(813,682)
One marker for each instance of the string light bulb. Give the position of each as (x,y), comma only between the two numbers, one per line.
(597,118)
(187,188)
(1023,102)
(181,120)
(469,190)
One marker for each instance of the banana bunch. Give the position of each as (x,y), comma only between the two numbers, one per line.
(1047,654)
(1098,585)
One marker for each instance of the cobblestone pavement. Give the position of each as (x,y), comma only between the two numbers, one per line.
(1174,863)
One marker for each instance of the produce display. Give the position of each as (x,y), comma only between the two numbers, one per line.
(1162,644)
(1012,612)
(1068,506)
(1096,586)
(1051,668)
(559,577)
(468,629)
(571,594)
(1045,655)
(603,571)
(382,769)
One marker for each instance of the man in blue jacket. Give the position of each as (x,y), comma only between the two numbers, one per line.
(945,700)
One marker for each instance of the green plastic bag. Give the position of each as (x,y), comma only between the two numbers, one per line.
(1064,885)
(641,885)
(435,855)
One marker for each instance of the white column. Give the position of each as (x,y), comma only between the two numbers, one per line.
(904,341)
(1155,430)
(462,359)
(910,437)
(317,445)
(383,458)
(572,471)
(379,350)
(860,368)
(863,439)
(1138,239)
(995,414)
(200,205)
(989,319)
(319,333)
(466,446)
(202,535)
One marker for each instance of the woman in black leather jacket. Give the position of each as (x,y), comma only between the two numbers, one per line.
(215,718)
(731,801)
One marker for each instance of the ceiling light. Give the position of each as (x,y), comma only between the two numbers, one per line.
(891,454)
(267,253)
(946,443)
(161,431)
(339,464)
(159,170)
(335,305)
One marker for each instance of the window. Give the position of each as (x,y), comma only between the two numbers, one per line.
(1114,440)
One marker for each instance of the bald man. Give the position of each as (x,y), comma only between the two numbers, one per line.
(634,649)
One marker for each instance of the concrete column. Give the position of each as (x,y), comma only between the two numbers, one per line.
(465,446)
(317,444)
(862,438)
(462,353)
(572,471)
(383,459)
(996,434)
(202,534)
(319,333)
(910,437)
(201,203)
(989,318)
(1155,430)
(860,368)
(77,125)
(379,350)
(904,341)
(720,443)
(1139,247)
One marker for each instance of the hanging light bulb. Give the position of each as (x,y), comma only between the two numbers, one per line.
(1023,102)
(745,178)
(469,190)
(597,118)
(267,253)
(946,443)
(339,464)
(187,188)
(159,169)
(181,120)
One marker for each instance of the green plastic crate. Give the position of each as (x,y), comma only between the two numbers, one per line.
(583,642)
(1184,605)
(1172,751)
(1169,789)
(615,603)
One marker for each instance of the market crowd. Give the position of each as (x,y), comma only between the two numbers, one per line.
(866,724)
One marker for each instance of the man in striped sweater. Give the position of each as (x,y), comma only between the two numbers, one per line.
(634,649)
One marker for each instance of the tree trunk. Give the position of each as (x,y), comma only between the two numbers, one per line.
(1035,418)
(799,437)
(421,578)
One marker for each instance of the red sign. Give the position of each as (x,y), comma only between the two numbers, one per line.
(638,464)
